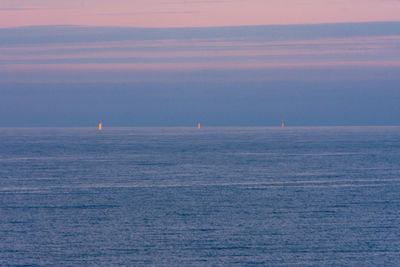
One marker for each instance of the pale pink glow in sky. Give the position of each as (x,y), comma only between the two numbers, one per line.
(195,44)
(305,51)
(193,13)
(198,54)
(194,55)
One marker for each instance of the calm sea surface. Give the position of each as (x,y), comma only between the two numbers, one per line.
(214,196)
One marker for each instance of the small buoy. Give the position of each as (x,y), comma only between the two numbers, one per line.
(198,126)
(100,126)
(283,124)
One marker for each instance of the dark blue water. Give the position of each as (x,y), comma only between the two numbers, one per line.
(215,196)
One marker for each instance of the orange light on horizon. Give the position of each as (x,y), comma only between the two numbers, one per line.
(198,126)
(100,126)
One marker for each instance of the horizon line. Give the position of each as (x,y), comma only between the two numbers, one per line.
(209,126)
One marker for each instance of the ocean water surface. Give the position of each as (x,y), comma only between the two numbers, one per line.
(210,196)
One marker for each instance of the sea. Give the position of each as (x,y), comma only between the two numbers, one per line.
(215,196)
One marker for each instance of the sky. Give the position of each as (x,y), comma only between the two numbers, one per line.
(193,13)
(218,62)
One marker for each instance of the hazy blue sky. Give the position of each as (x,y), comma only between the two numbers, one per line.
(324,74)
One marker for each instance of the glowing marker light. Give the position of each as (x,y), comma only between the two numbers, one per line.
(198,126)
(100,126)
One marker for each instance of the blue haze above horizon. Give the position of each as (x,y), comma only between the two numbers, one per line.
(327,74)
